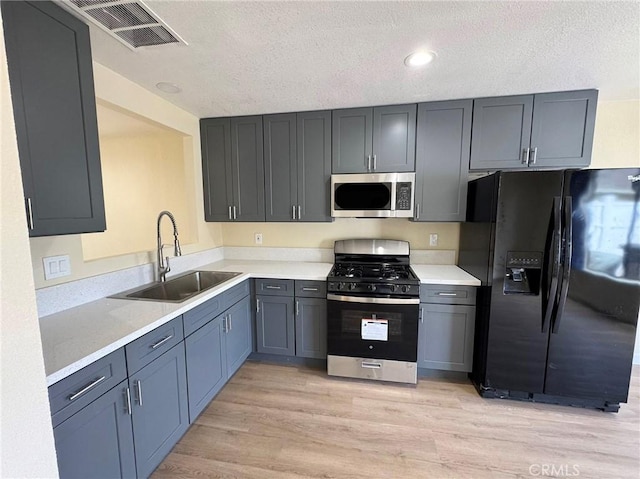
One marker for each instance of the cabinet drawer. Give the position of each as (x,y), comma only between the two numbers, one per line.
(235,294)
(311,289)
(274,287)
(68,396)
(150,346)
(202,314)
(447,294)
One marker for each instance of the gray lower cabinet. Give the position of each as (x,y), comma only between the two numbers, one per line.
(446,328)
(233,168)
(51,75)
(379,139)
(206,368)
(237,338)
(97,441)
(311,328)
(443,140)
(160,408)
(275,325)
(547,130)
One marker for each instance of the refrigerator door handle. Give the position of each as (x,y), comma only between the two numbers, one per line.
(554,245)
(568,253)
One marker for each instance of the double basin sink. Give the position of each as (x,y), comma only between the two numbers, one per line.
(180,288)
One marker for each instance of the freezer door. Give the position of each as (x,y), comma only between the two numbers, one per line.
(592,339)
(516,344)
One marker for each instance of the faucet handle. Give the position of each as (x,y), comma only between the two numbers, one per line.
(168,266)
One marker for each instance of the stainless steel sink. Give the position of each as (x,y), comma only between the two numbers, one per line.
(178,289)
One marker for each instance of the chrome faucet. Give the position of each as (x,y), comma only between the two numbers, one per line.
(163,268)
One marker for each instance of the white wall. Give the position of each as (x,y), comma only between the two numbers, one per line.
(26,436)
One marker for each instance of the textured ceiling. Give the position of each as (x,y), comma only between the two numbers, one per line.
(266,57)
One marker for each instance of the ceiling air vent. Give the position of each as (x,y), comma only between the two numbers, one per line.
(131,23)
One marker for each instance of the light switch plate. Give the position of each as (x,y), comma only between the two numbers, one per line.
(56,266)
(433,239)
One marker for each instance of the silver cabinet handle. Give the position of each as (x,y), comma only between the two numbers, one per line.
(230,214)
(299,213)
(272,287)
(417,211)
(297,308)
(309,289)
(370,365)
(30,212)
(293,212)
(138,385)
(447,294)
(535,156)
(161,342)
(127,398)
(224,324)
(374,163)
(230,323)
(367,162)
(257,305)
(234,213)
(525,156)
(421,315)
(87,388)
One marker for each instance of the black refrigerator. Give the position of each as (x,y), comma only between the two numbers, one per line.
(558,255)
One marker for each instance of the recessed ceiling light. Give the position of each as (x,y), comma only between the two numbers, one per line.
(420,58)
(168,87)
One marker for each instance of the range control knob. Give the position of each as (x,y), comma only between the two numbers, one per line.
(340,286)
(405,288)
(371,287)
(352,286)
(392,288)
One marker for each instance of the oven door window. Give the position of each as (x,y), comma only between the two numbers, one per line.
(363,196)
(372,330)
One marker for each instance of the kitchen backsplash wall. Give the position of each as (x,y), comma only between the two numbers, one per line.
(616,142)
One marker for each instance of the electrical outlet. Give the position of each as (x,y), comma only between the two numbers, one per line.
(433,239)
(258,238)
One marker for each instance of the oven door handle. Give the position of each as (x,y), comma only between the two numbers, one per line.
(371,300)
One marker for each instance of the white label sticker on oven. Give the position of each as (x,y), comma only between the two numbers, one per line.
(375,329)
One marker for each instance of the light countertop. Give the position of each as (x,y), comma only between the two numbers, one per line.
(76,337)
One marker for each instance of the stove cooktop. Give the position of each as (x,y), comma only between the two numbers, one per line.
(373,279)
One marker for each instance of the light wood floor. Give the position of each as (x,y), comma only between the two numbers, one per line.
(281,422)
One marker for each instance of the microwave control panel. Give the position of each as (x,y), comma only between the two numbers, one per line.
(403,196)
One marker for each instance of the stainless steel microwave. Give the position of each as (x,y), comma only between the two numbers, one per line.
(373,195)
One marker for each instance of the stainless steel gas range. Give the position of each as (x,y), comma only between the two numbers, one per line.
(373,301)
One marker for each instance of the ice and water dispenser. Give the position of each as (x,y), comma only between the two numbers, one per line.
(522,272)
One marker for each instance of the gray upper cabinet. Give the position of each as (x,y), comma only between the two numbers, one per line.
(50,70)
(297,156)
(314,165)
(97,441)
(160,408)
(280,164)
(380,139)
(233,168)
(443,140)
(548,130)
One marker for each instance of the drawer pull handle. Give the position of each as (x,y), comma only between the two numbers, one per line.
(88,387)
(447,294)
(309,289)
(161,342)
(273,287)
(369,365)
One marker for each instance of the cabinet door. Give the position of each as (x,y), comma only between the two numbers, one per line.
(248,168)
(314,165)
(238,335)
(445,337)
(442,160)
(311,328)
(206,368)
(275,325)
(160,415)
(97,441)
(50,69)
(562,130)
(280,164)
(501,132)
(215,138)
(352,140)
(394,138)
